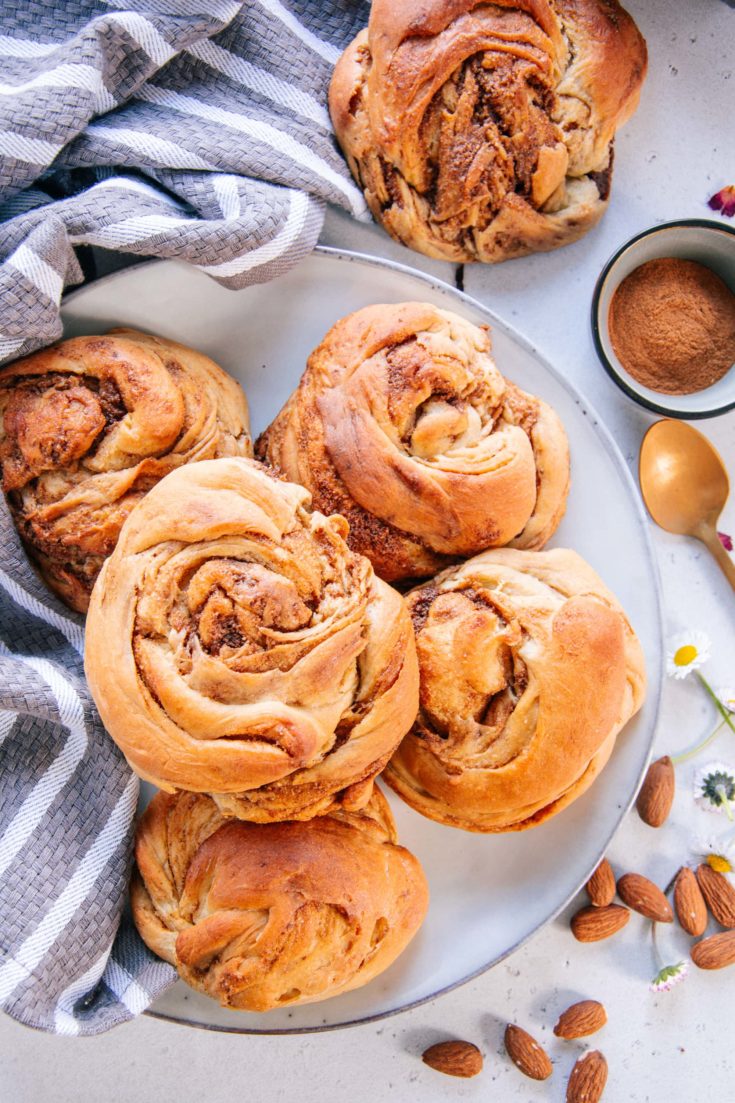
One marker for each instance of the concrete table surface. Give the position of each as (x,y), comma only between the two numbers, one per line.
(676,1046)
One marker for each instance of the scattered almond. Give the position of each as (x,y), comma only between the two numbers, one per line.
(454,1058)
(715,952)
(644,897)
(588,1078)
(525,1052)
(601,885)
(719,895)
(657,792)
(581,1019)
(592,924)
(691,910)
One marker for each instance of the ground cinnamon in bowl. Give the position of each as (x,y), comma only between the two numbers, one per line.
(672,325)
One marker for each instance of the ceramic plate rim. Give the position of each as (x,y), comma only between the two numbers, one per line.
(655,685)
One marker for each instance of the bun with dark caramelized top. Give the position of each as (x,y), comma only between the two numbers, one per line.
(88,426)
(403,424)
(484,131)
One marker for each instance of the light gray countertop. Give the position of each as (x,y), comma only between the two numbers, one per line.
(677,1046)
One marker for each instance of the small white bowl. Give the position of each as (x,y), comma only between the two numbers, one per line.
(702,240)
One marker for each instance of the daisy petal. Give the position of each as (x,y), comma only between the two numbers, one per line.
(687,651)
(717,851)
(714,788)
(670,975)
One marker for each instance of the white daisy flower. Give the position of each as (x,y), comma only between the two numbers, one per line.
(714,788)
(687,651)
(668,976)
(717,851)
(726,696)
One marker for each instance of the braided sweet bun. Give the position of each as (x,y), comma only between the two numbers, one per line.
(236,646)
(529,669)
(403,424)
(262,915)
(88,426)
(484,131)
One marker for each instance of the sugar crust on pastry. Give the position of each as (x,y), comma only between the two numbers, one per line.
(236,646)
(89,425)
(484,131)
(259,916)
(529,669)
(404,425)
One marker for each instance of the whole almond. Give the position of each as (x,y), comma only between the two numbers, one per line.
(644,897)
(454,1058)
(657,792)
(718,893)
(601,885)
(581,1019)
(715,952)
(592,924)
(525,1052)
(588,1078)
(691,910)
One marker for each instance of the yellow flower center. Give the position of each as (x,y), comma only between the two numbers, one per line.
(685,655)
(719,863)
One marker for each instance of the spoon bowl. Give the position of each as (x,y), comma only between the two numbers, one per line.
(685,485)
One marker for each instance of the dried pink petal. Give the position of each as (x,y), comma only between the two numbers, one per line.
(724,201)
(725,540)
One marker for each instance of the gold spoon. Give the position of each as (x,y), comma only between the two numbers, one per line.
(685,485)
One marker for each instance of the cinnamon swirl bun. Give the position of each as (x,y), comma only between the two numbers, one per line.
(404,425)
(529,669)
(88,426)
(259,916)
(484,131)
(236,646)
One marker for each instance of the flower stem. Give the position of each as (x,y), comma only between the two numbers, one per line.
(724,713)
(677,759)
(726,718)
(658,960)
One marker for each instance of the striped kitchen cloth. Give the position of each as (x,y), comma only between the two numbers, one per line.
(195,129)
(172,128)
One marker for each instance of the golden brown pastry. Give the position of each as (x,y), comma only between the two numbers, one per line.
(403,424)
(529,669)
(484,131)
(236,646)
(262,915)
(88,426)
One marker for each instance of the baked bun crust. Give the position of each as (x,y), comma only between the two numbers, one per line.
(262,915)
(88,426)
(484,131)
(236,646)
(403,424)
(529,669)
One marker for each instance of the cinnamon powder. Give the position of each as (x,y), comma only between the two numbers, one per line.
(672,325)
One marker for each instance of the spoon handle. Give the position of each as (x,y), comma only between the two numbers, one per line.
(708,535)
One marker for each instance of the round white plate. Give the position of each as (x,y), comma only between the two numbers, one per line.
(488,893)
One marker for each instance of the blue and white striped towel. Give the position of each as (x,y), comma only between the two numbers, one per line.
(194,129)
